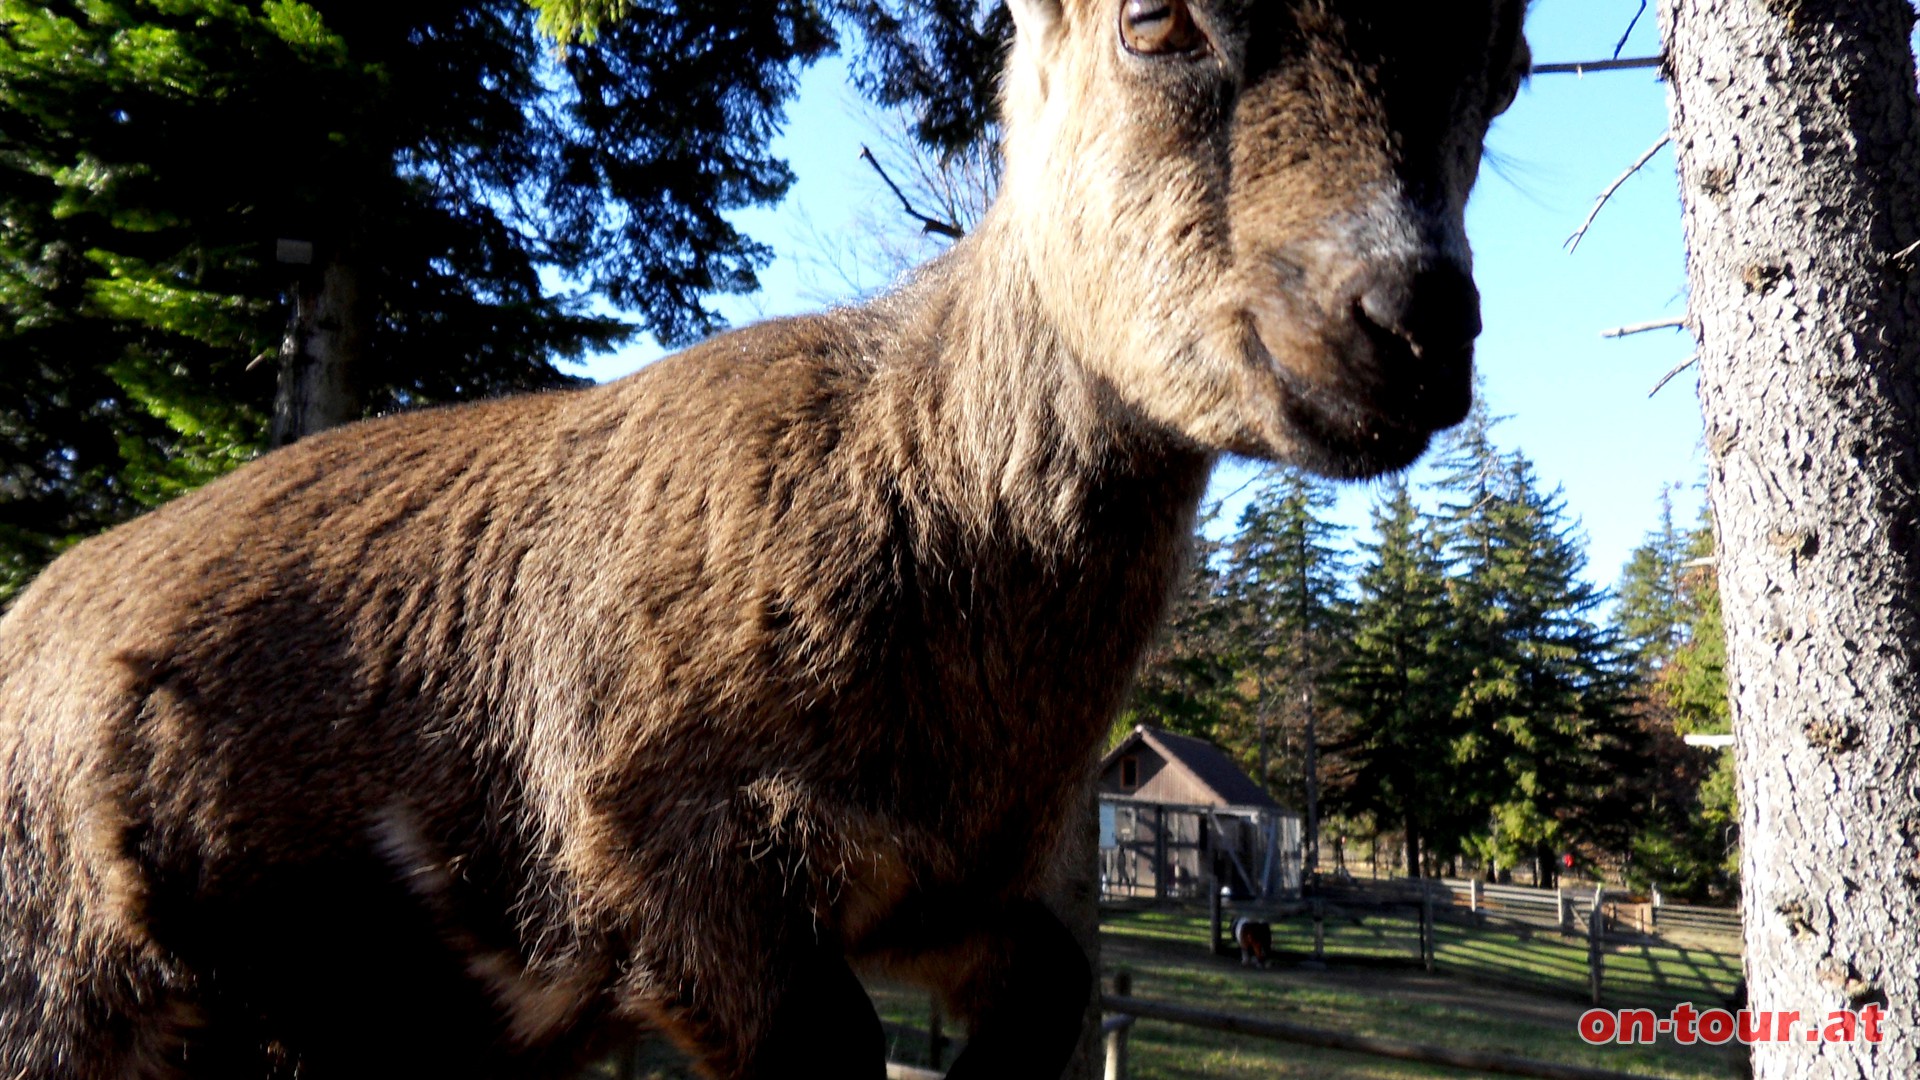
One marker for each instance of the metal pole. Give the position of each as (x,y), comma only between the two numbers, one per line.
(1117,1028)
(1596,932)
(1214,910)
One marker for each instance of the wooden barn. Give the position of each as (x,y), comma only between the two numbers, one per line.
(1176,814)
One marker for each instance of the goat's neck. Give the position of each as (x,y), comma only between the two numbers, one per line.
(1017,436)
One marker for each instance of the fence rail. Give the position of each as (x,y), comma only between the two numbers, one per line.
(1284,1031)
(1563,909)
(1609,946)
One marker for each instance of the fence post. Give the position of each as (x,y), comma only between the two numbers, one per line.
(1566,909)
(1215,914)
(1653,911)
(936,1035)
(1473,898)
(1160,868)
(1426,926)
(1596,934)
(1319,930)
(1117,1029)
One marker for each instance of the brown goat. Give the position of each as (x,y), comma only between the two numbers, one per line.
(468,741)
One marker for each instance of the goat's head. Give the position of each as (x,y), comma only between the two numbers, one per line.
(1248,215)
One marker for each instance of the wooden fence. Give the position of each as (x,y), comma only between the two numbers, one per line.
(1123,1009)
(1618,950)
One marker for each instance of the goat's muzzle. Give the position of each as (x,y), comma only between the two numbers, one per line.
(1383,361)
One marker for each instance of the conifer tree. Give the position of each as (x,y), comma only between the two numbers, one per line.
(194,192)
(1558,699)
(1686,845)
(1398,685)
(1187,680)
(1284,573)
(1543,696)
(1650,607)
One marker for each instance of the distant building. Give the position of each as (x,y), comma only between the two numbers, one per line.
(1176,814)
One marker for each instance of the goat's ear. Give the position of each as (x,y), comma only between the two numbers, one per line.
(1036,20)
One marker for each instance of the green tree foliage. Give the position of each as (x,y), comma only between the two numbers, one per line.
(1254,634)
(1187,680)
(1285,572)
(153,152)
(1650,607)
(1684,845)
(1399,682)
(1545,690)
(1694,682)
(939,60)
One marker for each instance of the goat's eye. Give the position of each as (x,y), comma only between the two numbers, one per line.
(1159,27)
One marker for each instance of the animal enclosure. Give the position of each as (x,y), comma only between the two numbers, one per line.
(1162,851)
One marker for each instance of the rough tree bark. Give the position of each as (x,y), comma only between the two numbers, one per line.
(320,356)
(1795,127)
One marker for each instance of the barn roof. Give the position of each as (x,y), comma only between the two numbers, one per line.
(1202,760)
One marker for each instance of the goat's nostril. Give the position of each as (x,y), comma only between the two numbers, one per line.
(1436,309)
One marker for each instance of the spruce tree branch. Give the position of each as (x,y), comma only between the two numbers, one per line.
(1584,66)
(1643,327)
(1573,242)
(927,224)
(1677,369)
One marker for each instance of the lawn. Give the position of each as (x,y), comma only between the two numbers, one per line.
(1634,973)
(1164,953)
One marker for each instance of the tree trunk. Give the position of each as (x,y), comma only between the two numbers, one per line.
(321,355)
(1310,856)
(1795,129)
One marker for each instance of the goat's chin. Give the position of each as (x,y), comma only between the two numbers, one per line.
(1377,416)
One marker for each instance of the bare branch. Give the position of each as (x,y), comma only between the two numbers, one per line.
(1573,241)
(1582,67)
(1631,23)
(1677,369)
(1643,327)
(927,224)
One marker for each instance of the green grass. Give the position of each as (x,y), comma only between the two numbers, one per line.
(1535,959)
(1165,954)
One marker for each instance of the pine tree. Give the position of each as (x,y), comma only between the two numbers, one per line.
(1544,698)
(1473,524)
(1685,846)
(1285,569)
(1694,683)
(191,188)
(1560,704)
(1649,610)
(1187,680)
(1398,685)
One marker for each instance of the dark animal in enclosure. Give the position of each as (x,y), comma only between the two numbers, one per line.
(471,741)
(1255,938)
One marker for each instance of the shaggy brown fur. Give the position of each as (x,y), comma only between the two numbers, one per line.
(464,742)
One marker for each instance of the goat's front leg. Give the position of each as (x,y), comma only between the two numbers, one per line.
(769,1008)
(823,1023)
(1030,1023)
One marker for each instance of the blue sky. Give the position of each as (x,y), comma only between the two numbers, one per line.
(1576,404)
